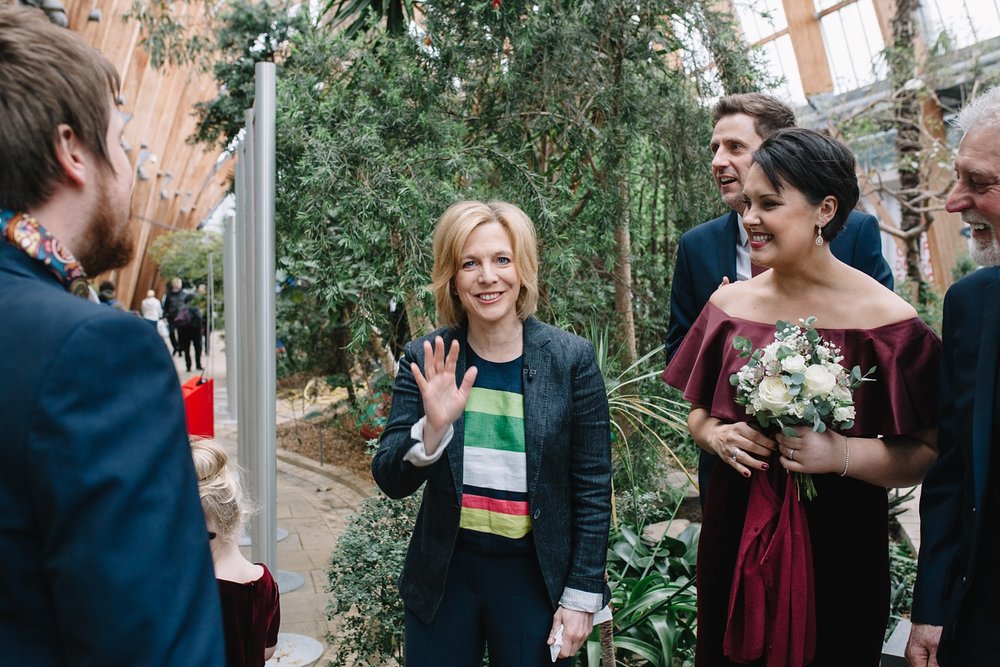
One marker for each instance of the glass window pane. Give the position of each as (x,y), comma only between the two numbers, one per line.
(760,18)
(780,61)
(959,23)
(853,45)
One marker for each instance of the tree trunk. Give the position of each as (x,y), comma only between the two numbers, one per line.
(419,324)
(623,278)
(902,63)
(619,161)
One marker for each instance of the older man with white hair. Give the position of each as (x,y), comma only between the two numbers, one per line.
(956,614)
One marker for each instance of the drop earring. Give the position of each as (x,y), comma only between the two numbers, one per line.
(819,236)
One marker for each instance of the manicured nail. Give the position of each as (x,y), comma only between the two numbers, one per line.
(746,474)
(763,466)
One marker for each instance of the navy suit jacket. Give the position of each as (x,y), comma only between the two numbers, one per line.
(953,493)
(707,253)
(105,550)
(567,443)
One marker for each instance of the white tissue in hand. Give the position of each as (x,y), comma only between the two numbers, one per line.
(557,645)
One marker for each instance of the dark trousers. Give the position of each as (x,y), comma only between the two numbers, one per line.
(186,336)
(497,601)
(174,334)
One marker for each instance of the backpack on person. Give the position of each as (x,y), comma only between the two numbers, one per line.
(184,317)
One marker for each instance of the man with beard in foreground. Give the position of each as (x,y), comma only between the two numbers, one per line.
(105,550)
(956,617)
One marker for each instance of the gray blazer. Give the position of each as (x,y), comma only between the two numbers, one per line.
(568,448)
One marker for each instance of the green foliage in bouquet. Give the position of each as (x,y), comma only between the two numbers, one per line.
(797,380)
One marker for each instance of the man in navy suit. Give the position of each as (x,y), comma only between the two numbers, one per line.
(105,550)
(718,251)
(956,618)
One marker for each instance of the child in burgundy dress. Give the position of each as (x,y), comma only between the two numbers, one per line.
(249,595)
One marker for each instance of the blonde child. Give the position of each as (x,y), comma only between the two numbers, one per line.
(250,609)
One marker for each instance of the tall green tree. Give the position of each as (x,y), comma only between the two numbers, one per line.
(577,111)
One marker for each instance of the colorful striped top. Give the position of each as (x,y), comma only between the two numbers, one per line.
(495,491)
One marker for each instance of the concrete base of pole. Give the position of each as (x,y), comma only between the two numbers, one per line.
(297,650)
(288,581)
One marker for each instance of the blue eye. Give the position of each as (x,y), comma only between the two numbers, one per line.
(469,264)
(503,260)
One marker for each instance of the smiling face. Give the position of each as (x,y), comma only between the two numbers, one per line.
(781,225)
(486,282)
(734,140)
(976,194)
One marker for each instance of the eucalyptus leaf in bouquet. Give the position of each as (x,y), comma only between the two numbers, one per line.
(797,380)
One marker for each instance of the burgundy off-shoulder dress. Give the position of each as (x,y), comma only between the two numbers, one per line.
(842,574)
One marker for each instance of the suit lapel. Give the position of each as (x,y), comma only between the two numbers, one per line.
(727,249)
(537,379)
(986,378)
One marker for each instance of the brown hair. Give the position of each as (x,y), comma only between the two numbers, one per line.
(450,235)
(769,113)
(48,76)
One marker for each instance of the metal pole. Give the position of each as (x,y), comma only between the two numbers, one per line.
(210,315)
(229,300)
(264,538)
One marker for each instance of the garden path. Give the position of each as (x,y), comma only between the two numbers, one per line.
(314,504)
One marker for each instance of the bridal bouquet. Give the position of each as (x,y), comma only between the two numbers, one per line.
(797,380)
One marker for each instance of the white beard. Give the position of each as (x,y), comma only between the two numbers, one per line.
(986,253)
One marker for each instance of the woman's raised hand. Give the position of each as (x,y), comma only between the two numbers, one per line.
(444,401)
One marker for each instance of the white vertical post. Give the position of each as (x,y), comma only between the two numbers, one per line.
(264,530)
(229,287)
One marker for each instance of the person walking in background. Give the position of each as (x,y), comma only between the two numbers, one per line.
(817,591)
(152,309)
(188,323)
(955,615)
(173,299)
(718,251)
(504,421)
(106,295)
(105,554)
(251,611)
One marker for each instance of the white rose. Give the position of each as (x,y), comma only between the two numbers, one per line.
(774,395)
(843,414)
(818,381)
(793,364)
(840,393)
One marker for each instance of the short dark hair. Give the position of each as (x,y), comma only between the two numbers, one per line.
(48,76)
(816,165)
(769,113)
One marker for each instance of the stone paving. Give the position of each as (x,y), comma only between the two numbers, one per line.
(314,503)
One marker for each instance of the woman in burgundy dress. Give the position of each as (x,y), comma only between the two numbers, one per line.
(782,580)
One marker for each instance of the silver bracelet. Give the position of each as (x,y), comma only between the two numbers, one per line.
(847,456)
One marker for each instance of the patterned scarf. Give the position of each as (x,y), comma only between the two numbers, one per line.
(24,232)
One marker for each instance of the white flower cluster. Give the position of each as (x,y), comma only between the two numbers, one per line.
(797,379)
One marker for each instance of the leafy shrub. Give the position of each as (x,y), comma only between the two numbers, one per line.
(902,576)
(363,574)
(653,597)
